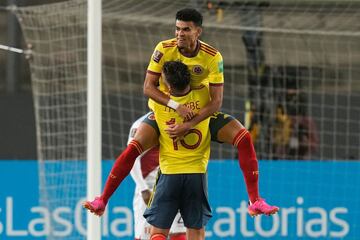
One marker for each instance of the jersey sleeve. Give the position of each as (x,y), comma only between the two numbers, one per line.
(216,68)
(157,60)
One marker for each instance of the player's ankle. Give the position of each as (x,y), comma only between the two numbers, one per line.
(103,199)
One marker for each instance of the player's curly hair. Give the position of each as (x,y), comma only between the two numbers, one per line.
(177,74)
(190,15)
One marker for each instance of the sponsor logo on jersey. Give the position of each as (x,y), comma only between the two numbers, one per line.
(157,56)
(197,69)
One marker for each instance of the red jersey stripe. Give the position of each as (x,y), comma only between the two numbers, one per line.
(153,73)
(209,48)
(216,84)
(167,46)
(207,51)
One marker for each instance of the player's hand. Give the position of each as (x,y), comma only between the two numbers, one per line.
(178,130)
(185,112)
(146,195)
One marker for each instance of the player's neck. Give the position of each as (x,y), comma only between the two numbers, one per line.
(191,51)
(184,92)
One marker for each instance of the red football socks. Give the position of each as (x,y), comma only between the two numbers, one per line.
(158,236)
(248,163)
(121,169)
(178,237)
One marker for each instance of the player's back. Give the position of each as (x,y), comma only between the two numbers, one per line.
(190,154)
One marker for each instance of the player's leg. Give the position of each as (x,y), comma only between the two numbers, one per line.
(195,234)
(141,227)
(178,236)
(145,137)
(233,132)
(178,230)
(194,206)
(225,128)
(163,205)
(158,233)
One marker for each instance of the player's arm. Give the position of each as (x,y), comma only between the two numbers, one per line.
(150,90)
(151,84)
(216,80)
(214,105)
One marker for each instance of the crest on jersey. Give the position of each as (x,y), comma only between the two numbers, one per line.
(197,69)
(157,56)
(151,117)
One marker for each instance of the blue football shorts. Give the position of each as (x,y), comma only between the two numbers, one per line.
(186,193)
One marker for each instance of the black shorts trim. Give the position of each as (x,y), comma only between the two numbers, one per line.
(150,120)
(217,121)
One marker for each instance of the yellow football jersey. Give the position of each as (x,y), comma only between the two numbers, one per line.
(190,154)
(206,67)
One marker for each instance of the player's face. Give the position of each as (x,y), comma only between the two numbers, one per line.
(187,34)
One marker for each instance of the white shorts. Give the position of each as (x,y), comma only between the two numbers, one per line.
(142,228)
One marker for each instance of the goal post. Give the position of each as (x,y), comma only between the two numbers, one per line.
(94,113)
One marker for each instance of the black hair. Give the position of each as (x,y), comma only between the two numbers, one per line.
(190,15)
(177,74)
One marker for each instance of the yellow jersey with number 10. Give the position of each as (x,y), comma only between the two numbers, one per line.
(190,154)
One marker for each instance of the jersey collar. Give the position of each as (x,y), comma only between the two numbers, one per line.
(194,53)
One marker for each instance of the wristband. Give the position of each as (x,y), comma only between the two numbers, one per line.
(172,104)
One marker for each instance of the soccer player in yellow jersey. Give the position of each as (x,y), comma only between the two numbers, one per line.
(206,67)
(181,184)
(191,153)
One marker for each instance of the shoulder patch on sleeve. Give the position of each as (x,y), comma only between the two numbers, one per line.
(221,66)
(132,132)
(157,56)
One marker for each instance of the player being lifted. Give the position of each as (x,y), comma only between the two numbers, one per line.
(144,174)
(206,67)
(181,183)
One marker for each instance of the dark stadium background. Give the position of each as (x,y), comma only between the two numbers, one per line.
(17,123)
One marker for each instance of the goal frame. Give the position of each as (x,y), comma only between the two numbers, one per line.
(94,82)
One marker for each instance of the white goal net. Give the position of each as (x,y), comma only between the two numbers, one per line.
(292,76)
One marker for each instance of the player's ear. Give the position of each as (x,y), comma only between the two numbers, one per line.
(165,80)
(199,30)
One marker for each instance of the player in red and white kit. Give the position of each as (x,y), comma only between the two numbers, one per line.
(144,174)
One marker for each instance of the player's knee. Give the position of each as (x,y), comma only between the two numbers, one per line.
(228,132)
(242,139)
(158,236)
(197,234)
(146,136)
